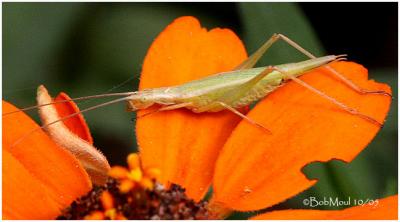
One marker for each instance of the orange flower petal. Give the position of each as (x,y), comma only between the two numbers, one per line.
(386,209)
(76,124)
(256,170)
(184,145)
(24,196)
(54,169)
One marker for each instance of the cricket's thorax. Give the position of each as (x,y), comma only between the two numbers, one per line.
(148,97)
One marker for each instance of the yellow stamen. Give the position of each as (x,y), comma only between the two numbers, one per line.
(133,160)
(118,172)
(111,213)
(126,185)
(135,174)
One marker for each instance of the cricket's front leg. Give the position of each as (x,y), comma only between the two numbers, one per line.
(166,108)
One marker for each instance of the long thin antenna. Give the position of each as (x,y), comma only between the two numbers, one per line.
(67,117)
(73,99)
(121,84)
(114,87)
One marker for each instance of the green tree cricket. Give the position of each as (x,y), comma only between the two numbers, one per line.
(228,90)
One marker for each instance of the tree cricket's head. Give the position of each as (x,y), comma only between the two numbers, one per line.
(138,101)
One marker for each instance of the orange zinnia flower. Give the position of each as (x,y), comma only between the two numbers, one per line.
(249,169)
(40,178)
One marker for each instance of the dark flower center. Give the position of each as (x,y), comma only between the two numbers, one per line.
(139,203)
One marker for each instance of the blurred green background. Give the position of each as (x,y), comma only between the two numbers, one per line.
(91,48)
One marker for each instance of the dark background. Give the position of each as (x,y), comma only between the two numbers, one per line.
(91,48)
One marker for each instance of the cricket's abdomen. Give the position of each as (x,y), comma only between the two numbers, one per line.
(205,93)
(258,92)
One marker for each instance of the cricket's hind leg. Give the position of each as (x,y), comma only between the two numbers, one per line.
(331,99)
(253,59)
(333,71)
